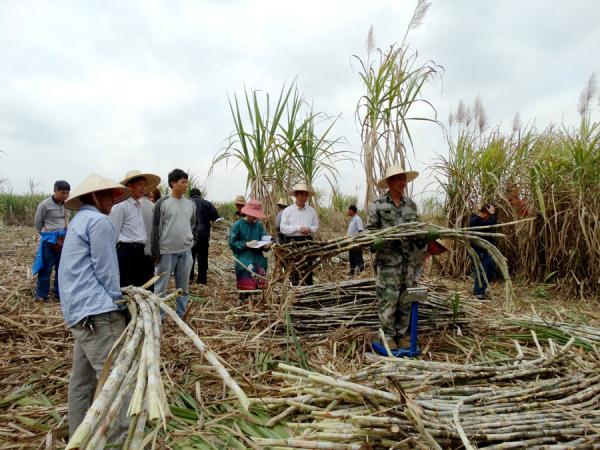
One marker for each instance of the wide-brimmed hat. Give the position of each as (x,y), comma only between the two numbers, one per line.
(95,183)
(253,209)
(301,187)
(397,170)
(448,244)
(240,200)
(151,180)
(282,202)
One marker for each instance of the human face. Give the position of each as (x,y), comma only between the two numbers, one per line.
(105,200)
(397,183)
(251,219)
(138,188)
(239,207)
(301,198)
(350,213)
(179,187)
(61,196)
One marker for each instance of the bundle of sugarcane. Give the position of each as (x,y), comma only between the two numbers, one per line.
(304,256)
(586,336)
(133,366)
(323,307)
(404,403)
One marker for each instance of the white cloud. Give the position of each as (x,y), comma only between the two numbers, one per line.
(120,85)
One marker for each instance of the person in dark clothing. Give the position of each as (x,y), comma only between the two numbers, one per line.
(205,214)
(485,216)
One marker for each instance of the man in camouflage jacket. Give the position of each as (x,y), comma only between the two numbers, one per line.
(396,262)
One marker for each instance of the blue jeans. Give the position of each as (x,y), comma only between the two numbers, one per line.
(490,271)
(51,260)
(181,265)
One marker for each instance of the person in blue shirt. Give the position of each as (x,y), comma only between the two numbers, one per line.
(485,216)
(89,283)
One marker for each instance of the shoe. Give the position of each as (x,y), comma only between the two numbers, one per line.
(403,342)
(391,343)
(479,297)
(41,299)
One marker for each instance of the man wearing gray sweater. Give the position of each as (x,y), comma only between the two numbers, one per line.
(172,238)
(51,220)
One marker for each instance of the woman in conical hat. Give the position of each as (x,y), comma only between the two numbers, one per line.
(251,264)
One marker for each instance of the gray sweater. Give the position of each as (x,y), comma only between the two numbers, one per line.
(172,225)
(50,216)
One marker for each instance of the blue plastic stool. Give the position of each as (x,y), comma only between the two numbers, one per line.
(413,350)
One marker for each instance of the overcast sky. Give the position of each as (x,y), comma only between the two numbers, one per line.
(112,86)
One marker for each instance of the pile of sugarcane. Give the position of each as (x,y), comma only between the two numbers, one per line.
(304,256)
(132,377)
(586,336)
(353,303)
(406,403)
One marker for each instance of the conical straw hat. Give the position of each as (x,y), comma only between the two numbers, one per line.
(397,170)
(282,202)
(152,180)
(95,183)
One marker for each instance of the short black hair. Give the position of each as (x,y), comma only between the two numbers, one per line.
(195,192)
(61,185)
(353,208)
(175,175)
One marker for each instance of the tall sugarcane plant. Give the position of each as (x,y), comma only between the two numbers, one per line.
(279,146)
(551,177)
(393,80)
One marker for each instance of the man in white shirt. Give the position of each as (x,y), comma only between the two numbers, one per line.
(299,222)
(355,256)
(128,220)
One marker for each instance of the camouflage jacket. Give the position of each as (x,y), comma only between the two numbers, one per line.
(384,214)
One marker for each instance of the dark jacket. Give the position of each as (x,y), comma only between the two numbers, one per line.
(476,221)
(205,214)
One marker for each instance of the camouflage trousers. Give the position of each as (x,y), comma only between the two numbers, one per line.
(393,301)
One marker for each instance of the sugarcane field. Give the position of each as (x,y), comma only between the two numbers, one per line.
(244,225)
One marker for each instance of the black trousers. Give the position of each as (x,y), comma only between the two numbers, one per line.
(133,264)
(357,263)
(200,251)
(297,275)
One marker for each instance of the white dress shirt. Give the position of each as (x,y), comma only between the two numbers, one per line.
(294,218)
(355,226)
(128,221)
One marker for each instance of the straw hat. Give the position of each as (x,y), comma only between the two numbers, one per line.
(253,209)
(301,187)
(282,202)
(240,200)
(95,183)
(397,170)
(448,244)
(151,180)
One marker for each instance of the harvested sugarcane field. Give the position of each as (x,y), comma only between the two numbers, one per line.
(328,225)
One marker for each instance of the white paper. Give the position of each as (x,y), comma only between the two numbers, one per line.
(257,244)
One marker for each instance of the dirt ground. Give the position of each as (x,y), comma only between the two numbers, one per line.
(36,346)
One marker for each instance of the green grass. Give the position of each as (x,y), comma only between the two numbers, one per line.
(19,209)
